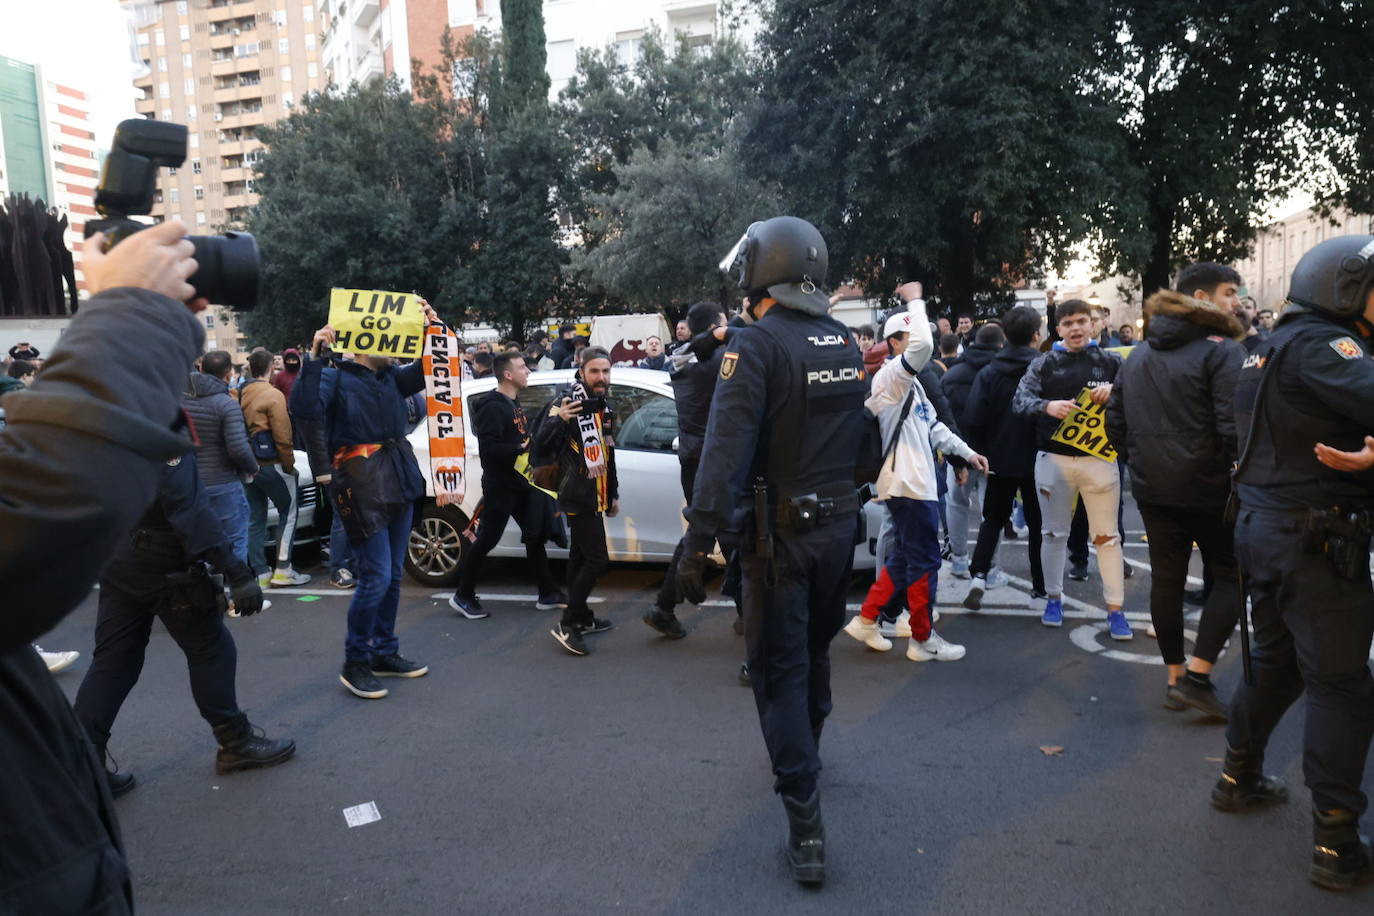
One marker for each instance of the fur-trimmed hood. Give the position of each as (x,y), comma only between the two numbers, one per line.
(1173,319)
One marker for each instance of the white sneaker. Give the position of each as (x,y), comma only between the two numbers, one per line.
(866,632)
(960,565)
(56,661)
(996,578)
(1150,632)
(288,576)
(934,649)
(896,629)
(265,580)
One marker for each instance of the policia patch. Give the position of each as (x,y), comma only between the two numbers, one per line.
(1347,348)
(727,365)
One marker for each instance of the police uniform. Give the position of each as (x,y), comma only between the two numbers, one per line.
(160,572)
(781,441)
(1303,545)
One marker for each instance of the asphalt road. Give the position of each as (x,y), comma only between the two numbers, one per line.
(518,779)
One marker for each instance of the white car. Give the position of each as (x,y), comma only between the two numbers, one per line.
(650,522)
(307,496)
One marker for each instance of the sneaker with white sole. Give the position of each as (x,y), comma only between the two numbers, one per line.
(1053,615)
(974,599)
(265,580)
(56,661)
(866,632)
(288,577)
(996,578)
(934,649)
(1150,632)
(342,578)
(960,566)
(896,629)
(1118,626)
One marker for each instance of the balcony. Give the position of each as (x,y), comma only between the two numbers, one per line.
(223,40)
(364,11)
(235,201)
(238,173)
(369,66)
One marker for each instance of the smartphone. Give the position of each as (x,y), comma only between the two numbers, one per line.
(592,405)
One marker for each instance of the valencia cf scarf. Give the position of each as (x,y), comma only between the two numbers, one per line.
(589,428)
(444,408)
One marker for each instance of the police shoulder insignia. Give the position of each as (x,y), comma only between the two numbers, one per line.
(1347,348)
(173,462)
(727,364)
(1215,338)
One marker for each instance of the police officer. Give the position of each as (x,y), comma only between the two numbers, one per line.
(161,572)
(786,412)
(1302,539)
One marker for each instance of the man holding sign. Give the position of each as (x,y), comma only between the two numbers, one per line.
(1066,390)
(376,480)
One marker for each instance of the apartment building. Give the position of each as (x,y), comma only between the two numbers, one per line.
(47,147)
(1281,243)
(224,68)
(377,38)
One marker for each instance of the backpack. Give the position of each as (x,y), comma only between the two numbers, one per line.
(873,454)
(545,472)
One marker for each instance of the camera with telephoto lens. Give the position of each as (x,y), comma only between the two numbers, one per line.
(228,264)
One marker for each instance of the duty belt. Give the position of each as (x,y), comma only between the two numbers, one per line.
(802,513)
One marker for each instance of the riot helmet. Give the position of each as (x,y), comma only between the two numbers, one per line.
(1336,276)
(785,256)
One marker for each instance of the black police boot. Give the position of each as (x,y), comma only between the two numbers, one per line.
(243,747)
(805,838)
(665,622)
(1243,783)
(1341,858)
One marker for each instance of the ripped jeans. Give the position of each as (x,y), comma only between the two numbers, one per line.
(1059,481)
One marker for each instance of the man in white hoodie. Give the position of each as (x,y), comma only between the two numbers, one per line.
(907,487)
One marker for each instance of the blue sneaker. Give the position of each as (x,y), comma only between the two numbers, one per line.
(1054,613)
(1120,629)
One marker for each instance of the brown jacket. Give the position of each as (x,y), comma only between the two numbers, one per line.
(264,407)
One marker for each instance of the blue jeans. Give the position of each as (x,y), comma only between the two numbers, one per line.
(338,545)
(275,485)
(230,504)
(378,563)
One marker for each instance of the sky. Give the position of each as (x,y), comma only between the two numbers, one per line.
(85,44)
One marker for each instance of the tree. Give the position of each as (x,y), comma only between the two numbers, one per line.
(353,194)
(672,216)
(1233,106)
(964,145)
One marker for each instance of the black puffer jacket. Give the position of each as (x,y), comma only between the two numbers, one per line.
(561,441)
(958,381)
(1005,437)
(1171,416)
(222,448)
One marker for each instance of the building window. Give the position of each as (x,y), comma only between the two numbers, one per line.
(186,33)
(281,19)
(164,91)
(287,100)
(195,168)
(172,170)
(200,218)
(283,46)
(562,60)
(190,85)
(312,70)
(143,38)
(162,65)
(181,7)
(627,47)
(159,37)
(286,74)
(209,320)
(310,41)
(200,192)
(193,138)
(308,13)
(176,195)
(190,112)
(247,50)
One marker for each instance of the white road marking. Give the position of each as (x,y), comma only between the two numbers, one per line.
(494,596)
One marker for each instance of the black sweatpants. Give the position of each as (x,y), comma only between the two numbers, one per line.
(499,506)
(130,597)
(998,499)
(1312,630)
(1172,530)
(588,561)
(788,627)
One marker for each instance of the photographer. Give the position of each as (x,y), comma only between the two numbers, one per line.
(79,462)
(375,483)
(576,434)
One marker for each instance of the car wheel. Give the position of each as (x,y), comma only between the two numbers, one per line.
(435,551)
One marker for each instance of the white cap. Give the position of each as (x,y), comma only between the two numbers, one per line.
(899,323)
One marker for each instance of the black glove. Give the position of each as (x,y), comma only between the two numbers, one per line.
(245,592)
(691,566)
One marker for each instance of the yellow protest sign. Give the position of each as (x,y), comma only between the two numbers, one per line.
(1085,428)
(377,323)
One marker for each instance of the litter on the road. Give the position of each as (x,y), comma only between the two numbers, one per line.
(362,814)
(308,598)
(1051,750)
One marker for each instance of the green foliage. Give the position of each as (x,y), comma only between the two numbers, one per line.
(1233,106)
(943,141)
(526,81)
(353,194)
(673,215)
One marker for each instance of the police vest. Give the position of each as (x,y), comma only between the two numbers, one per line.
(1281,471)
(816,398)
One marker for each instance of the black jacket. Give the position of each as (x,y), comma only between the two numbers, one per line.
(502,436)
(79,463)
(222,449)
(560,439)
(958,380)
(991,428)
(935,394)
(1060,375)
(1171,417)
(693,372)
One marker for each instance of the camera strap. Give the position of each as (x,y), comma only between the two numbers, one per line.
(444,412)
